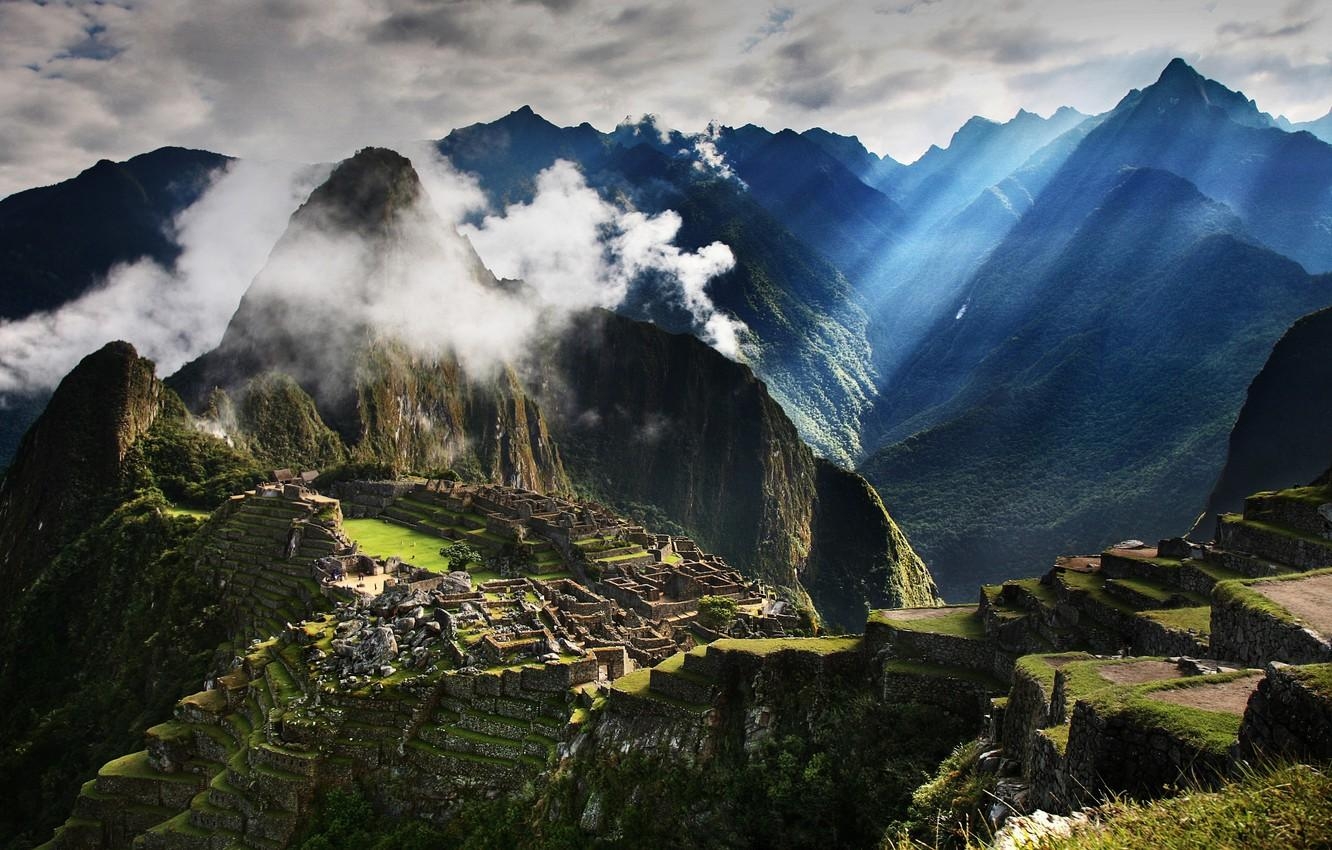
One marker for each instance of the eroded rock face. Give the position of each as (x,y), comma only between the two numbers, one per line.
(73,458)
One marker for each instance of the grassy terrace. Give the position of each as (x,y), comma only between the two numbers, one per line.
(768,646)
(1212,731)
(383,539)
(1280,530)
(1317,677)
(1289,808)
(961,622)
(135,765)
(1196,619)
(1241,592)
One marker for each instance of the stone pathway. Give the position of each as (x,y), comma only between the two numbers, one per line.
(1309,599)
(925,613)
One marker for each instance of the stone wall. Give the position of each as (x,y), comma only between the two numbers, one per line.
(1274,544)
(1112,751)
(1289,716)
(1305,516)
(1247,634)
(369,498)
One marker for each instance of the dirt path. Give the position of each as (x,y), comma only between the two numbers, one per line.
(1137,672)
(1309,599)
(926,613)
(1230,697)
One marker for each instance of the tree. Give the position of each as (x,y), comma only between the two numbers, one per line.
(716,612)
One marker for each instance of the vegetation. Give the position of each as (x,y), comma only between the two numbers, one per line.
(716,612)
(384,539)
(1287,807)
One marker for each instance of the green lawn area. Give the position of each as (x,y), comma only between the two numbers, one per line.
(176,510)
(1198,619)
(384,539)
(767,646)
(960,622)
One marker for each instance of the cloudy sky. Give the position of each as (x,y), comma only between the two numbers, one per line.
(313,80)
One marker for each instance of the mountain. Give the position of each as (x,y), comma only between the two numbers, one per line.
(872,169)
(106,621)
(1083,391)
(650,418)
(58,241)
(979,155)
(413,407)
(71,461)
(641,418)
(1283,436)
(1278,183)
(808,326)
(1320,127)
(1161,206)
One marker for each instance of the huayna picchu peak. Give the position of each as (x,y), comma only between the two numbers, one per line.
(792,426)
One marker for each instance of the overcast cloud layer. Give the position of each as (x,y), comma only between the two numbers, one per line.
(312,80)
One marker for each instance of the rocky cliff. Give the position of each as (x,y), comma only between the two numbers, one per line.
(1283,435)
(639,416)
(645,416)
(71,460)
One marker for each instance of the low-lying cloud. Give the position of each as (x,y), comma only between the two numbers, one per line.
(577,251)
(170,315)
(573,250)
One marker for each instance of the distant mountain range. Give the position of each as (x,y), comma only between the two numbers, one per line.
(1035,337)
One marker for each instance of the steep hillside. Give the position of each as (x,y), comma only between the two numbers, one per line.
(105,621)
(1283,435)
(1094,353)
(57,241)
(646,417)
(70,465)
(808,326)
(409,405)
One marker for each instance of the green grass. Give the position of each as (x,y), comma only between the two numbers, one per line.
(768,646)
(1290,808)
(965,623)
(1242,592)
(1211,731)
(383,539)
(1281,530)
(135,765)
(1198,619)
(177,510)
(1317,677)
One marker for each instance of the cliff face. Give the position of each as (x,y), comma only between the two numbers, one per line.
(639,416)
(647,417)
(311,315)
(423,414)
(71,460)
(1283,435)
(860,557)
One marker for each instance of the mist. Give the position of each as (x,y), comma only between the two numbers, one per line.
(427,287)
(577,251)
(170,315)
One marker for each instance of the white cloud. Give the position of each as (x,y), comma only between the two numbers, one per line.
(313,81)
(577,251)
(170,315)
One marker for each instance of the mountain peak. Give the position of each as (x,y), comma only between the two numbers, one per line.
(366,189)
(1181,86)
(1178,69)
